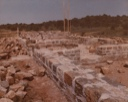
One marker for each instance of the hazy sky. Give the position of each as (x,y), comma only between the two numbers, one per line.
(37,11)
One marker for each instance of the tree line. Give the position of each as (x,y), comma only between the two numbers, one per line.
(88,22)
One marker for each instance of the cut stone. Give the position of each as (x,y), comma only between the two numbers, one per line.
(69,76)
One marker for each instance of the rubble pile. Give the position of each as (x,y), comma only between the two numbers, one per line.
(11,47)
(13,82)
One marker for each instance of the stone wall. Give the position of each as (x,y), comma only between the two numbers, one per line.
(60,42)
(73,54)
(120,50)
(92,40)
(80,85)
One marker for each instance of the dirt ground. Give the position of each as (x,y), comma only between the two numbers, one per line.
(40,89)
(44,89)
(115,71)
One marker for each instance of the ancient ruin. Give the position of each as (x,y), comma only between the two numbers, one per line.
(86,69)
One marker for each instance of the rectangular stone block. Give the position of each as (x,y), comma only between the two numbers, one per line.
(79,83)
(69,76)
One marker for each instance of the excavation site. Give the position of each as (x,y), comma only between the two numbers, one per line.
(55,67)
(63,51)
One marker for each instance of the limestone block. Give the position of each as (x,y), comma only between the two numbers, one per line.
(79,84)
(93,94)
(69,76)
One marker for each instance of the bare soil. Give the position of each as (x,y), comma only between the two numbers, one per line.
(40,89)
(117,71)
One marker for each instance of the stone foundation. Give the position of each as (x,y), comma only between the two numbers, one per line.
(77,84)
(120,50)
(80,85)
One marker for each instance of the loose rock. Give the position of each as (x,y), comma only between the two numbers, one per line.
(105,70)
(5,100)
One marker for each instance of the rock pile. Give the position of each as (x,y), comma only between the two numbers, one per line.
(13,82)
(11,47)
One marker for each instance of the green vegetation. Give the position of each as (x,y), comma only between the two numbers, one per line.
(101,25)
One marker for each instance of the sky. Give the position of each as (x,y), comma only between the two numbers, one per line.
(38,11)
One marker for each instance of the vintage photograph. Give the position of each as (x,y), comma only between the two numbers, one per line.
(63,50)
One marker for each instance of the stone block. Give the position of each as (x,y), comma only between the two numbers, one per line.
(55,66)
(93,94)
(79,83)
(69,76)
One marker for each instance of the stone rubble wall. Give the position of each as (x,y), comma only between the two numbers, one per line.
(120,50)
(80,85)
